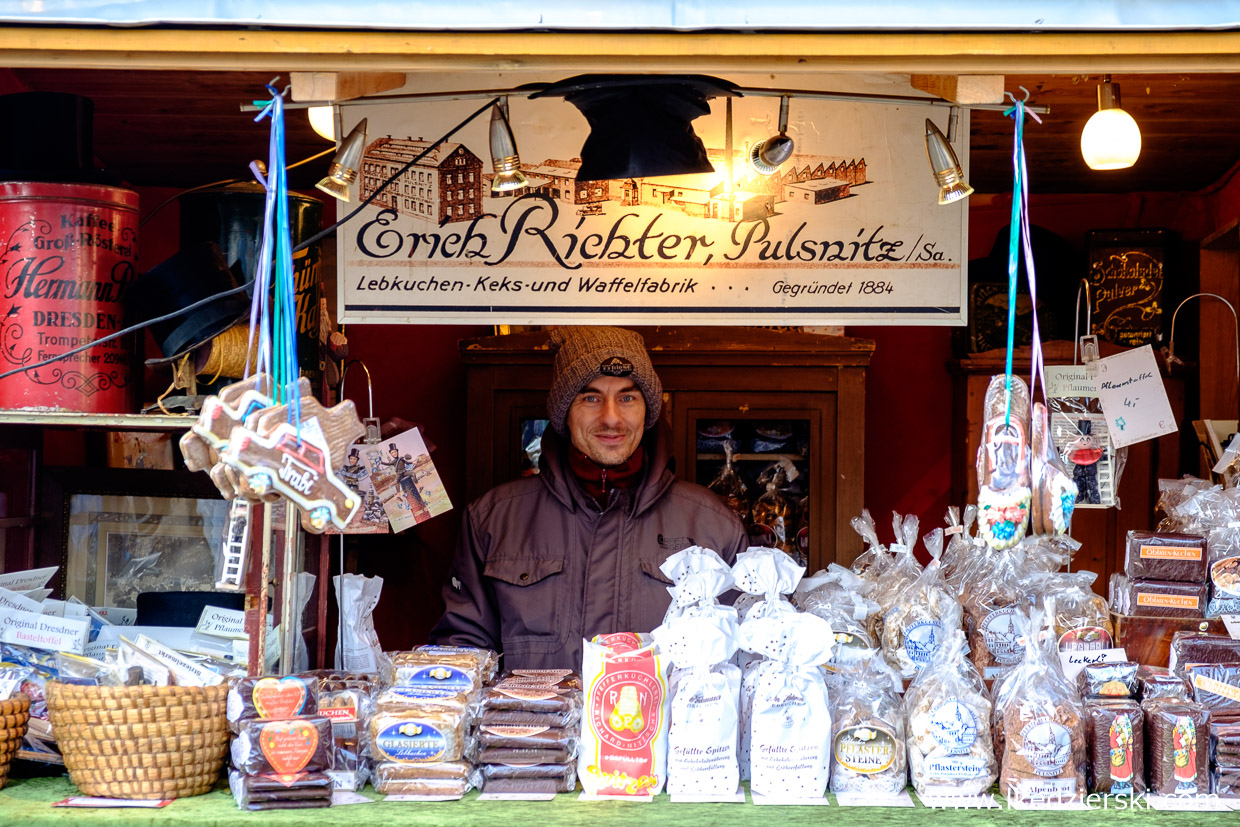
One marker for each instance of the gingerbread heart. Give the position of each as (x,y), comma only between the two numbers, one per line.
(279,697)
(288,745)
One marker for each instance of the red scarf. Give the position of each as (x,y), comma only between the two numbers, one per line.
(599,481)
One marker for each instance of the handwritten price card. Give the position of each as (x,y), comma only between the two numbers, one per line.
(1133,398)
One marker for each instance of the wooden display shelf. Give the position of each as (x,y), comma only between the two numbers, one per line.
(1147,640)
(110,422)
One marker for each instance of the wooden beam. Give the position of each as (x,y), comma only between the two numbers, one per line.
(963,89)
(343,86)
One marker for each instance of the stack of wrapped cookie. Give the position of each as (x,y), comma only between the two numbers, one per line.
(282,750)
(1225,759)
(347,700)
(528,734)
(418,734)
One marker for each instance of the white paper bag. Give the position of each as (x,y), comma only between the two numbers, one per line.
(357,643)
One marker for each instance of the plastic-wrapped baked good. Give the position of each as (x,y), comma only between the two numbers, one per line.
(921,614)
(1161,598)
(728,485)
(451,669)
(1115,729)
(272,698)
(256,789)
(993,615)
(405,698)
(424,735)
(531,737)
(1177,740)
(842,598)
(1216,686)
(1158,683)
(1165,555)
(518,717)
(868,749)
(536,778)
(1039,731)
(1108,680)
(448,779)
(951,751)
(332,680)
(285,747)
(555,695)
(348,710)
(1188,648)
(1225,783)
(875,560)
(513,755)
(1081,618)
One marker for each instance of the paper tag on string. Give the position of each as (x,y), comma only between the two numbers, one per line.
(1133,398)
(1232,622)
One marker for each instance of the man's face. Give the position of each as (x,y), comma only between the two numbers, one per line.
(607,419)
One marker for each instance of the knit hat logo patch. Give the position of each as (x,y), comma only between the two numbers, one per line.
(616,366)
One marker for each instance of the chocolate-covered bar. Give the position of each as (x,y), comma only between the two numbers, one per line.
(1165,598)
(283,748)
(1116,732)
(1216,686)
(253,789)
(1188,648)
(271,698)
(1108,680)
(535,778)
(1178,754)
(1160,683)
(1165,555)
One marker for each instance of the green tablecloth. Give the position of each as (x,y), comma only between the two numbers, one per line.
(27,803)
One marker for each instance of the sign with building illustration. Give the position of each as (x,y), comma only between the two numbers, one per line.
(847,231)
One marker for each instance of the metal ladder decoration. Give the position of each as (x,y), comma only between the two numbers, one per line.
(236,547)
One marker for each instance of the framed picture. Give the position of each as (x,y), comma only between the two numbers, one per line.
(116,532)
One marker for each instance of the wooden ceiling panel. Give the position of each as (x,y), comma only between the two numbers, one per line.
(183,129)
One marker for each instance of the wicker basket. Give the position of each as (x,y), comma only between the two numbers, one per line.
(14,714)
(140,741)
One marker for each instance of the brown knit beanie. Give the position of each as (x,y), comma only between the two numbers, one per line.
(584,353)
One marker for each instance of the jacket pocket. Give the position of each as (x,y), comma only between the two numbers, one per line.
(528,593)
(651,567)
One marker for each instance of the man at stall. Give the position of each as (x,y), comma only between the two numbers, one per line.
(545,561)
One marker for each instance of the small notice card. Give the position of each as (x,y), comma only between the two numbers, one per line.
(1074,661)
(1133,398)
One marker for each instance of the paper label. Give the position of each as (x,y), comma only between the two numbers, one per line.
(954,726)
(1070,382)
(1133,397)
(225,623)
(187,672)
(625,705)
(1047,746)
(288,745)
(39,631)
(1170,553)
(516,796)
(782,801)
(1085,639)
(279,697)
(411,797)
(1168,601)
(1225,575)
(1074,661)
(1048,789)
(411,742)
(112,803)
(342,797)
(921,641)
(24,581)
(1217,687)
(1002,630)
(865,749)
(1232,622)
(13,600)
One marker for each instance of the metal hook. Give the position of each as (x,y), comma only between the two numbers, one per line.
(371,422)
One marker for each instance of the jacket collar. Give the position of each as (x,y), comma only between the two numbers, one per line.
(657,476)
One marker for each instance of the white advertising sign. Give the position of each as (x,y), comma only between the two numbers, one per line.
(847,231)
(24,581)
(40,631)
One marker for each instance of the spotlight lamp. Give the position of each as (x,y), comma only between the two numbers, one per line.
(767,156)
(945,165)
(504,157)
(345,164)
(1111,138)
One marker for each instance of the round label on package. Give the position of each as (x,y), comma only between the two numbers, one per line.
(921,640)
(411,742)
(1225,574)
(1002,631)
(954,726)
(1047,746)
(865,749)
(1085,639)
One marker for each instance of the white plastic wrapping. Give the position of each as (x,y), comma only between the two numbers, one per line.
(705,707)
(790,726)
